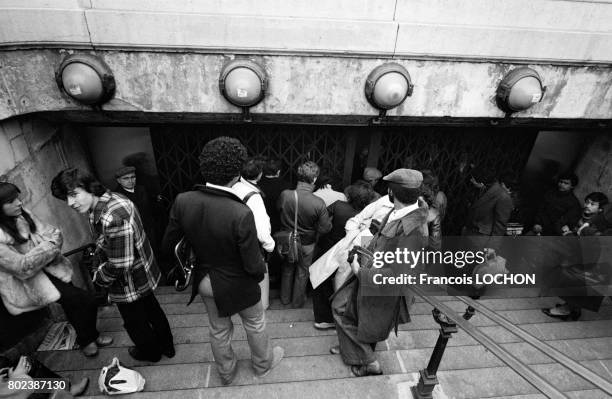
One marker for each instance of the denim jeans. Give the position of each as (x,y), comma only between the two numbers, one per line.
(294,279)
(221,331)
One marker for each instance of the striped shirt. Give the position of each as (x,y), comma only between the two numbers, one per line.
(128,267)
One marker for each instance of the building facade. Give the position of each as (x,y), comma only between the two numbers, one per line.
(166,58)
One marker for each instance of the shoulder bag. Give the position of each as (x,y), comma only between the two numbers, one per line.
(288,242)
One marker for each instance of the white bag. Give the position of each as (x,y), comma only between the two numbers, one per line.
(116,379)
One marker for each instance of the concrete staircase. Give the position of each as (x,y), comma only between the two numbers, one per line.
(308,370)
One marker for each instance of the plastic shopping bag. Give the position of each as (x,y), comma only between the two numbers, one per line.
(116,379)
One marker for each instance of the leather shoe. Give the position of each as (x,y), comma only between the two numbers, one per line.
(104,340)
(80,387)
(228,379)
(90,350)
(369,369)
(335,350)
(169,353)
(138,355)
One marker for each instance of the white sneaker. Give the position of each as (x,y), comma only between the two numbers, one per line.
(324,326)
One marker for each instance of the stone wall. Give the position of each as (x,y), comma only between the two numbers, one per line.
(188,83)
(32,152)
(595,167)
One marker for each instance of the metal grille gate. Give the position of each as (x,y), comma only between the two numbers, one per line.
(448,151)
(177,149)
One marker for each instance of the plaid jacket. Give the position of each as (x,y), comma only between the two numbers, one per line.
(128,266)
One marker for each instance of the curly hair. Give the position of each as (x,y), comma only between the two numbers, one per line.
(571,176)
(308,172)
(68,179)
(359,195)
(252,168)
(221,160)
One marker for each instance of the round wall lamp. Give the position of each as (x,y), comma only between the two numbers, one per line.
(243,83)
(86,78)
(387,86)
(520,89)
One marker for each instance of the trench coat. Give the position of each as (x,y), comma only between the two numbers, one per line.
(378,315)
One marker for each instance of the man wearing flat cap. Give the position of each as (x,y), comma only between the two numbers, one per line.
(139,195)
(362,318)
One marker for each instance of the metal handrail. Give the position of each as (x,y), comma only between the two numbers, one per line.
(564,360)
(533,378)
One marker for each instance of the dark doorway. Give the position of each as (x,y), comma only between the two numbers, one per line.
(447,151)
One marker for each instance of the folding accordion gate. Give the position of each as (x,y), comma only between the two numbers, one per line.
(177,149)
(340,151)
(450,152)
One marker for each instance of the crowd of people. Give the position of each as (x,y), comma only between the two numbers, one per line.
(232,221)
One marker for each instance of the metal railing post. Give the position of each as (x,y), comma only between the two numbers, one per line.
(469,312)
(428,379)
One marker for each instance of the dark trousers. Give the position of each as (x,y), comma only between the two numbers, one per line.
(344,306)
(80,309)
(147,326)
(321,304)
(294,278)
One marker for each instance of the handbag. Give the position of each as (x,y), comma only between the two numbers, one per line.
(116,379)
(288,242)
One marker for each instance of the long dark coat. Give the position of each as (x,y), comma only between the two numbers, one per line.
(221,230)
(378,315)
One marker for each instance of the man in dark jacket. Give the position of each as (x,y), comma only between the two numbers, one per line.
(558,208)
(312,220)
(229,265)
(128,186)
(490,211)
(272,186)
(364,318)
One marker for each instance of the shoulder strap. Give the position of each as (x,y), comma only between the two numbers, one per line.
(249,195)
(296,212)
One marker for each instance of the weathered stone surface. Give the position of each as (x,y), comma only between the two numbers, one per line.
(188,83)
(7,160)
(20,148)
(595,167)
(35,153)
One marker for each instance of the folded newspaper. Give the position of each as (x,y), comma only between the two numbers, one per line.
(61,336)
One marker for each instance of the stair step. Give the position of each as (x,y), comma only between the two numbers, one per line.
(318,371)
(455,357)
(375,387)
